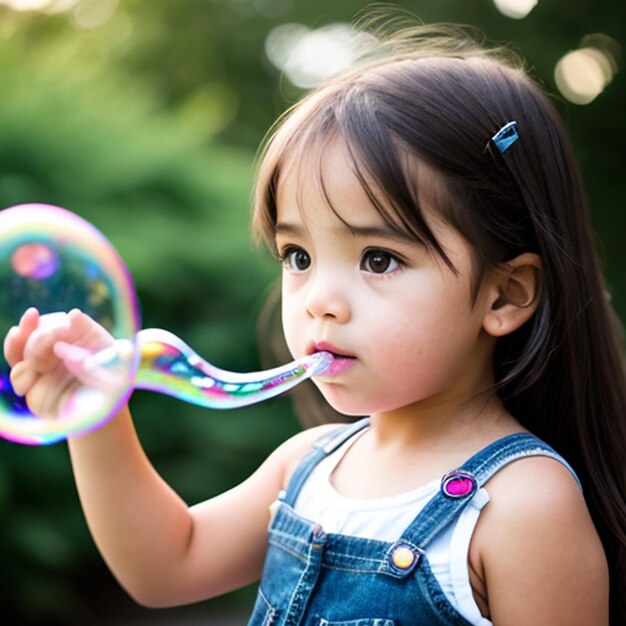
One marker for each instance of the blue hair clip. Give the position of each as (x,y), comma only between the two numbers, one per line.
(505,137)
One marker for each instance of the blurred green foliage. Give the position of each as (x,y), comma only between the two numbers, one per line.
(147,126)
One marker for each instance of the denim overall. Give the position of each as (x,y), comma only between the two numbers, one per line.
(312,578)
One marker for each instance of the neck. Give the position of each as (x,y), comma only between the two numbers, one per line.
(445,424)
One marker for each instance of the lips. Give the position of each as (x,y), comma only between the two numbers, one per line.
(342,360)
(325,346)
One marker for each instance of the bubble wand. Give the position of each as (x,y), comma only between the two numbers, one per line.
(52,259)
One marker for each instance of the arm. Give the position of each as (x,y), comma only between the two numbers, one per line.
(542,559)
(161,551)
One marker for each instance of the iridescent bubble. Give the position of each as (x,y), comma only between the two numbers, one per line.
(57,262)
(54,260)
(171,367)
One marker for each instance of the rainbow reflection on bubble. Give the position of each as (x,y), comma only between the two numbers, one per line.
(56,261)
(35,260)
(169,366)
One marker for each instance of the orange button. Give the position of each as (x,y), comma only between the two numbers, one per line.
(403,557)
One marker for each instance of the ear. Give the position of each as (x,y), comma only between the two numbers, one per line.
(513,292)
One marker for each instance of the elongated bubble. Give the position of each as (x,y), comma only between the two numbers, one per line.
(171,367)
(56,261)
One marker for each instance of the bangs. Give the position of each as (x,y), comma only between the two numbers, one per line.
(397,182)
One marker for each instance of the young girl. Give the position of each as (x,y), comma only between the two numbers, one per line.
(431,226)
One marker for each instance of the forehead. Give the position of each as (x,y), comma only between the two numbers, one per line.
(322,184)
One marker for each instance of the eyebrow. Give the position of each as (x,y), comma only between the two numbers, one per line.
(385,232)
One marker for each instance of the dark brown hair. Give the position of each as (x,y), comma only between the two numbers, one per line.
(435,95)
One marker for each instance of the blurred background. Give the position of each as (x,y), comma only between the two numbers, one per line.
(143,116)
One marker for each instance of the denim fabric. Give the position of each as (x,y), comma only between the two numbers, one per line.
(312,578)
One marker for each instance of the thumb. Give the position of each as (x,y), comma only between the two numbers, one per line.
(84,366)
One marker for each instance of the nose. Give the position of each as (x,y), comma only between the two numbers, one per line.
(328,298)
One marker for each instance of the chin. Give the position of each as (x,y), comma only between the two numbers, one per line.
(345,402)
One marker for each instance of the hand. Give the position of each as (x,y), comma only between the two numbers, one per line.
(51,359)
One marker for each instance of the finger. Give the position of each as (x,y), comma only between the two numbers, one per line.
(81,326)
(38,349)
(82,364)
(17,336)
(13,346)
(85,331)
(23,377)
(29,320)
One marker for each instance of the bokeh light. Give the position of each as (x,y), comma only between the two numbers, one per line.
(50,6)
(582,75)
(94,13)
(516,9)
(308,57)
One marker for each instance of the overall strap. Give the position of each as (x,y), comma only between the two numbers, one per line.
(321,448)
(459,487)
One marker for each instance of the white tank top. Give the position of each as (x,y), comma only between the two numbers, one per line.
(386,519)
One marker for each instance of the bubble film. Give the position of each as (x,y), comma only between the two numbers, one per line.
(54,260)
(171,367)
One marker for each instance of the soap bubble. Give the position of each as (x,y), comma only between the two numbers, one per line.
(55,261)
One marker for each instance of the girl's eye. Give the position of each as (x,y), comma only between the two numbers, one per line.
(296,259)
(379,262)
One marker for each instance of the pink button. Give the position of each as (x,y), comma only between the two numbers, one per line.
(458,484)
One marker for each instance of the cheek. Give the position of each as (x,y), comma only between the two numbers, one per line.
(405,357)
(420,354)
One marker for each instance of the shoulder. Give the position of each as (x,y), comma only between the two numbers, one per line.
(535,540)
(291,452)
(536,493)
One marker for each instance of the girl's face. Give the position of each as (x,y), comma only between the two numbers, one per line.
(400,319)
